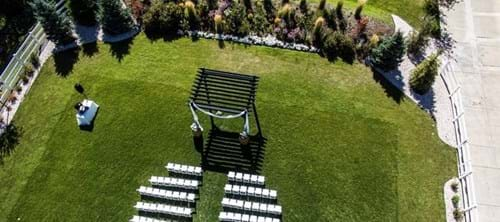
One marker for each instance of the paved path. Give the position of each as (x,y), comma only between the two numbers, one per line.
(475,25)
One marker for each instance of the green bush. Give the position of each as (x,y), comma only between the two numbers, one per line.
(115,18)
(339,45)
(454,186)
(303,6)
(431,26)
(318,32)
(236,22)
(424,75)
(260,24)
(455,200)
(458,214)
(19,88)
(57,26)
(162,18)
(431,8)
(417,42)
(339,9)
(34,59)
(29,70)
(388,54)
(85,12)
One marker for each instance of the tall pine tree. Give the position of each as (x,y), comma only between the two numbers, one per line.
(115,17)
(389,53)
(57,26)
(85,12)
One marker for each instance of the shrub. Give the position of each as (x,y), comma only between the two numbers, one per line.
(458,214)
(236,20)
(339,10)
(339,45)
(29,70)
(57,26)
(115,18)
(35,60)
(388,54)
(25,79)
(303,6)
(12,98)
(454,186)
(85,12)
(321,5)
(260,25)
(425,73)
(162,19)
(19,89)
(269,7)
(431,8)
(359,9)
(417,42)
(248,4)
(431,26)
(455,200)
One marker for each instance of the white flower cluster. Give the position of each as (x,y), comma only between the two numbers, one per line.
(268,40)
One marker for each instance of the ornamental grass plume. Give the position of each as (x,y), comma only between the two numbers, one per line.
(190,9)
(218,23)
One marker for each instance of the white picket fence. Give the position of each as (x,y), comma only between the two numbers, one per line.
(33,43)
(465,175)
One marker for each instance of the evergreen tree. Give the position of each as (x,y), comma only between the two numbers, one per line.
(115,18)
(424,75)
(57,26)
(85,12)
(390,52)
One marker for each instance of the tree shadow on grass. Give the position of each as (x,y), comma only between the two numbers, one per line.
(65,61)
(120,49)
(390,90)
(90,49)
(9,140)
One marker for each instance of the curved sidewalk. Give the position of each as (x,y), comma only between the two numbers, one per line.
(475,26)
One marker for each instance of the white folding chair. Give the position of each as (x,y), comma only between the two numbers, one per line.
(191,197)
(253,218)
(239,177)
(255,206)
(198,171)
(245,218)
(263,208)
(225,202)
(247,206)
(243,190)
(273,194)
(227,188)
(265,193)
(261,180)
(258,192)
(246,178)
(251,191)
(231,175)
(254,179)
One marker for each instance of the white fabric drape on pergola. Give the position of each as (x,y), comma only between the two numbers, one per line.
(215,92)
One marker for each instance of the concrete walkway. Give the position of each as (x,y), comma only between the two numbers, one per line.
(475,26)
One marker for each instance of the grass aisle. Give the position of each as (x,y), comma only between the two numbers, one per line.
(338,149)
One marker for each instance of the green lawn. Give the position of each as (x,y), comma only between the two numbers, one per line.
(338,148)
(409,10)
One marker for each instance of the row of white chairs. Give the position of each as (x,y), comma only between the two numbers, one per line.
(251,206)
(246,178)
(184,169)
(228,216)
(167,194)
(164,209)
(145,219)
(174,182)
(250,191)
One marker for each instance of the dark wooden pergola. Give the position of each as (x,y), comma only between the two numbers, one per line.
(226,92)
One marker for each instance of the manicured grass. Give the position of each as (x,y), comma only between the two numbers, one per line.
(409,10)
(338,148)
